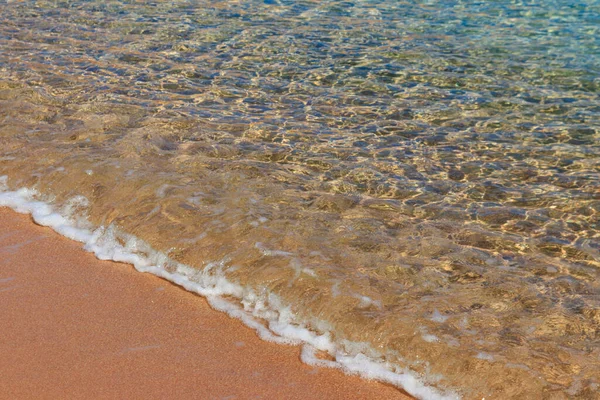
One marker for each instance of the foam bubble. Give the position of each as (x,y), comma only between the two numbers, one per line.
(265,313)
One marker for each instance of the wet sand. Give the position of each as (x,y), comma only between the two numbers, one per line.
(76,327)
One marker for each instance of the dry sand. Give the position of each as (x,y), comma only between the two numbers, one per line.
(74,327)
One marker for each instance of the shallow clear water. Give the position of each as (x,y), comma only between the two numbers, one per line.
(424,178)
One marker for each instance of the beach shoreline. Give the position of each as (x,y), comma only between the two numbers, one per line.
(79,327)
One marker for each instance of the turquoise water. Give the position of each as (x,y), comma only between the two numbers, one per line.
(419,177)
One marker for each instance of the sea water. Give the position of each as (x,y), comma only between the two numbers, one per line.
(411,189)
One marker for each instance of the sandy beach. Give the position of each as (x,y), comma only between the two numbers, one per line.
(412,188)
(77,327)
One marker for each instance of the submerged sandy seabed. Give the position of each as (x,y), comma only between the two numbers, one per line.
(78,327)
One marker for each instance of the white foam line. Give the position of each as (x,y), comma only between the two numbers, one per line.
(281,324)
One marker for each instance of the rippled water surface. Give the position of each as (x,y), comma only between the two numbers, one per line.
(423,177)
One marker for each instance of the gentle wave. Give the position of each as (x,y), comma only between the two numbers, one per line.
(272,320)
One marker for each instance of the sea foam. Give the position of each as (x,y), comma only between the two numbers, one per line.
(265,313)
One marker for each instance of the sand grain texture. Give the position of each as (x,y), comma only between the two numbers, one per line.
(76,327)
